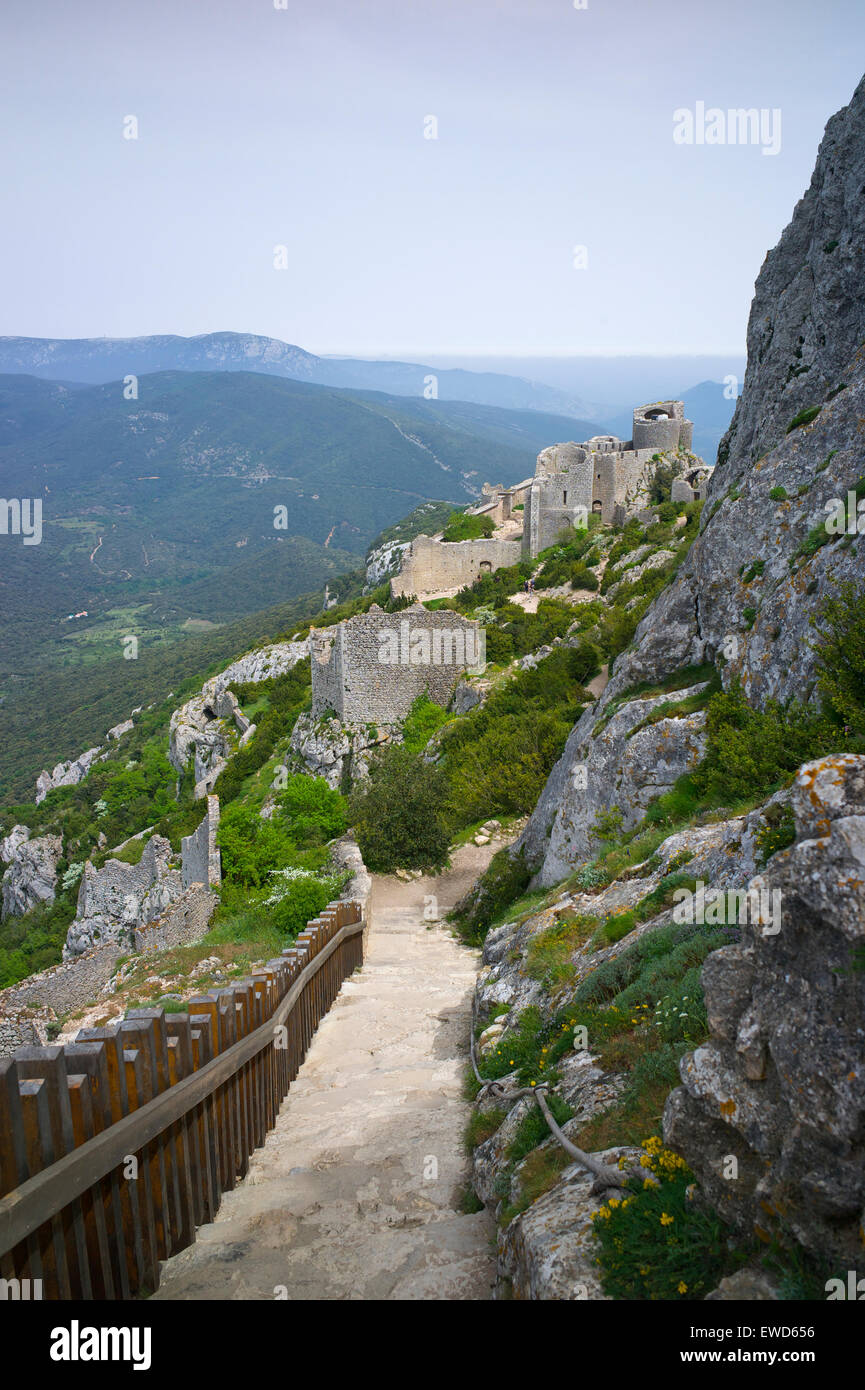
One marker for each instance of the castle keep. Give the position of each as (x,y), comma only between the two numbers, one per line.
(372,667)
(603,475)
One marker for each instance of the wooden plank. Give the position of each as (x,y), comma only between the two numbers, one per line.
(47,1192)
(48,1064)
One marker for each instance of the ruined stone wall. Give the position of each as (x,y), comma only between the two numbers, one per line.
(62,988)
(201,858)
(379,663)
(185,921)
(26,1008)
(428,566)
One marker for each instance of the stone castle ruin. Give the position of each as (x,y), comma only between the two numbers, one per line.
(430,566)
(372,667)
(604,475)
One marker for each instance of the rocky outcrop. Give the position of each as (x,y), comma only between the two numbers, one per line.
(210,726)
(114,900)
(31,875)
(622,764)
(384,562)
(66,774)
(120,729)
(808,315)
(771,1114)
(337,751)
(11,842)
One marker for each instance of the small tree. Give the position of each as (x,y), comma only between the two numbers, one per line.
(841,655)
(315,812)
(398,813)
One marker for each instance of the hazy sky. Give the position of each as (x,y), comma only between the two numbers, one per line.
(304,127)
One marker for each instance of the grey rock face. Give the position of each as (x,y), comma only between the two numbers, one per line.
(621,766)
(31,875)
(384,562)
(749,594)
(335,749)
(66,774)
(114,900)
(10,843)
(779,1085)
(808,314)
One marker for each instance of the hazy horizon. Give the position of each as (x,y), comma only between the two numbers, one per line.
(301,134)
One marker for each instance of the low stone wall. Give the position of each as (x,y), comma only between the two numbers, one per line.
(428,566)
(185,921)
(64,987)
(26,1008)
(20,1028)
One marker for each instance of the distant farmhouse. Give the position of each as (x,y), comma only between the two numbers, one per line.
(604,475)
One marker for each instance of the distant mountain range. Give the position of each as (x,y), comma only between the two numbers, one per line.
(98,360)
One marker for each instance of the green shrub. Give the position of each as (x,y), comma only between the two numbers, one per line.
(841,655)
(657,1243)
(314,812)
(582,578)
(423,720)
(777,832)
(804,417)
(399,813)
(304,898)
(750,752)
(778,494)
(463,527)
(251,847)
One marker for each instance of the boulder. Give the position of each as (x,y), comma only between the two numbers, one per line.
(31,875)
(779,1086)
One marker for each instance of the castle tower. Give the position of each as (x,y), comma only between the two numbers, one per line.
(662,426)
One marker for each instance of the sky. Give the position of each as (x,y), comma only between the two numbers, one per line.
(283,180)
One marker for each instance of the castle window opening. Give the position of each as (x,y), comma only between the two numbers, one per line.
(565,497)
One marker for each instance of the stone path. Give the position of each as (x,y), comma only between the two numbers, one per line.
(355,1194)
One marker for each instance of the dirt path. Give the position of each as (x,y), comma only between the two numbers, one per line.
(356,1192)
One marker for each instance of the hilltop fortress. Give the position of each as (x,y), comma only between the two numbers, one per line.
(603,475)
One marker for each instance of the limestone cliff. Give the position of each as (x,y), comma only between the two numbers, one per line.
(756,577)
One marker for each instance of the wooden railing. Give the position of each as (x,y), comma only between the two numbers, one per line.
(114,1148)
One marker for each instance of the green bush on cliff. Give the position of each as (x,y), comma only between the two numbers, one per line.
(314,811)
(750,751)
(463,527)
(841,655)
(658,1243)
